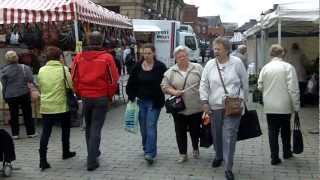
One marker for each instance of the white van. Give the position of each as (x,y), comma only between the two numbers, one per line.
(166,35)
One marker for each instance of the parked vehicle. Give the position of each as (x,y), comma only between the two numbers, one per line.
(166,35)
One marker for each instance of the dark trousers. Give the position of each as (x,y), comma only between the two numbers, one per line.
(48,121)
(302,88)
(279,123)
(15,103)
(95,111)
(182,124)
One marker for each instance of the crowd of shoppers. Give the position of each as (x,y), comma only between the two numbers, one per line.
(94,78)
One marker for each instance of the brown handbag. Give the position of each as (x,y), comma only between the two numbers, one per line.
(232,104)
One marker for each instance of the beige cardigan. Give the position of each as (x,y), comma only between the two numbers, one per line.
(172,77)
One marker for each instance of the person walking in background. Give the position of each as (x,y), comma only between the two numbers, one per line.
(279,83)
(15,78)
(130,58)
(144,84)
(298,60)
(53,79)
(241,53)
(187,74)
(95,77)
(212,95)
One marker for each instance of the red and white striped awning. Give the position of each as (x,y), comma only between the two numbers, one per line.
(31,11)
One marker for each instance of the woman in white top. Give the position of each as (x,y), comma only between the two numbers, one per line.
(279,83)
(224,128)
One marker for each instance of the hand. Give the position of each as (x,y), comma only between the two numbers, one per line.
(206,108)
(178,93)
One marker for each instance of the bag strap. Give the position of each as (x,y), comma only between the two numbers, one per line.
(66,84)
(222,82)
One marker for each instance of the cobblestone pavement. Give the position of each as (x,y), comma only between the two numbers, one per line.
(122,156)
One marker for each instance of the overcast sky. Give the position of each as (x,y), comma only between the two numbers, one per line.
(238,11)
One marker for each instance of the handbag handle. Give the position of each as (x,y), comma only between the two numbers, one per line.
(296,121)
(185,80)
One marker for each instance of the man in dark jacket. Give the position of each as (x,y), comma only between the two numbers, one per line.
(95,78)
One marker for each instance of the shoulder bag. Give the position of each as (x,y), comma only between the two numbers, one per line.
(232,103)
(175,104)
(72,101)
(297,139)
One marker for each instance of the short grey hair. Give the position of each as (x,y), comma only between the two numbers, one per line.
(224,42)
(181,48)
(11,57)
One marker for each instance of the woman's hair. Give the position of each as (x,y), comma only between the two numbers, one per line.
(53,53)
(276,50)
(181,48)
(11,57)
(150,46)
(225,43)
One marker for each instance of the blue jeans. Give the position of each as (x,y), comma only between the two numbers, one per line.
(148,120)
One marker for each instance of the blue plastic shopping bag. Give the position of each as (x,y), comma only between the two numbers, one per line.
(131,117)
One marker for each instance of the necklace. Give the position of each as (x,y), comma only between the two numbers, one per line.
(147,66)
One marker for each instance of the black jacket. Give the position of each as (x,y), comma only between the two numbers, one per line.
(134,85)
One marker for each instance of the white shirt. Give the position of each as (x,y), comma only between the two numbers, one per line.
(279,84)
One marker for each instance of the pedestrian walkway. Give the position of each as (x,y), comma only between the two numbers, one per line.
(122,156)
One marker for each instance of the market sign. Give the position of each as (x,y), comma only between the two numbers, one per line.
(163,35)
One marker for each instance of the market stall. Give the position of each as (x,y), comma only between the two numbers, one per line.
(288,23)
(29,26)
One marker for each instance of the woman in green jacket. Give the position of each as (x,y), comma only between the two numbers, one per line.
(53,106)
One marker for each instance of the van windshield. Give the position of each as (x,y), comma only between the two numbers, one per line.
(190,42)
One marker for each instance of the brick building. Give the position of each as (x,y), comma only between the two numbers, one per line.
(190,17)
(145,9)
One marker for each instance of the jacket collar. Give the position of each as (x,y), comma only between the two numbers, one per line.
(53,63)
(176,67)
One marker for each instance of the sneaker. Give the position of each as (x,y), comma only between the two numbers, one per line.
(7,169)
(15,137)
(196,154)
(182,158)
(229,175)
(149,159)
(33,135)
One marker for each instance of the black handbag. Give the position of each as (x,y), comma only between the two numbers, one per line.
(205,135)
(72,101)
(249,125)
(175,104)
(297,139)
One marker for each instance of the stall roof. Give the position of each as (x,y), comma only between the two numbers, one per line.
(293,17)
(27,11)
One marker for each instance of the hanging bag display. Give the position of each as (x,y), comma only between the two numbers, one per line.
(297,139)
(232,103)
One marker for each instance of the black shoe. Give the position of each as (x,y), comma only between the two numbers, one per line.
(44,165)
(68,155)
(275,161)
(287,156)
(94,167)
(229,175)
(216,163)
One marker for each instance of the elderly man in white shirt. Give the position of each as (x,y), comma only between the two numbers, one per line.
(212,95)
(279,83)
